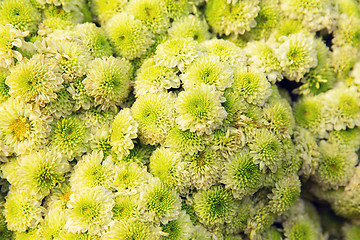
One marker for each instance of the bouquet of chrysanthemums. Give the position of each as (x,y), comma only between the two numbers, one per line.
(179,119)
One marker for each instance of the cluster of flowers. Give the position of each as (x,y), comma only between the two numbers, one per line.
(166,120)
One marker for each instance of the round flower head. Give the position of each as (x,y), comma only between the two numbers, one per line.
(129,36)
(151,78)
(252,85)
(91,171)
(203,169)
(336,166)
(125,207)
(104,12)
(199,109)
(69,137)
(158,202)
(41,172)
(22,210)
(4,89)
(94,39)
(190,26)
(177,52)
(129,178)
(266,150)
(297,55)
(314,14)
(179,229)
(302,227)
(228,141)
(123,130)
(285,194)
(108,81)
(155,115)
(242,175)
(152,13)
(177,8)
(131,229)
(167,166)
(214,206)
(226,50)
(184,141)
(35,80)
(343,108)
(89,209)
(232,19)
(10,40)
(21,14)
(349,138)
(263,57)
(210,70)
(343,59)
(79,95)
(23,127)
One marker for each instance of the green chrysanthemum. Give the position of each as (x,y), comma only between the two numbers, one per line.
(152,13)
(184,141)
(348,31)
(4,89)
(69,137)
(179,229)
(232,19)
(349,138)
(104,12)
(199,109)
(151,78)
(159,203)
(252,85)
(336,166)
(177,52)
(125,207)
(190,26)
(301,228)
(36,80)
(266,150)
(89,210)
(129,36)
(227,51)
(108,81)
(91,171)
(21,14)
(123,130)
(132,229)
(242,175)
(155,115)
(94,39)
(343,59)
(22,210)
(214,206)
(210,70)
(23,127)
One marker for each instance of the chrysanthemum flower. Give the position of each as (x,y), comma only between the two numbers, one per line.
(155,115)
(69,137)
(125,207)
(123,130)
(104,12)
(22,210)
(266,150)
(190,26)
(130,178)
(177,52)
(23,127)
(108,81)
(302,227)
(210,70)
(227,51)
(252,85)
(94,39)
(130,36)
(347,32)
(199,109)
(297,55)
(232,19)
(179,229)
(89,209)
(343,59)
(214,206)
(158,202)
(242,176)
(21,14)
(91,171)
(132,229)
(185,141)
(152,13)
(151,78)
(36,80)
(349,138)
